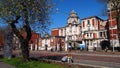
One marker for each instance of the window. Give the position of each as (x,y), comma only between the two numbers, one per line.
(83,24)
(93,23)
(87,34)
(88,22)
(90,34)
(94,35)
(105,34)
(100,34)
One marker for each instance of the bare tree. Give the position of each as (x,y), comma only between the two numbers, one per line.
(22,15)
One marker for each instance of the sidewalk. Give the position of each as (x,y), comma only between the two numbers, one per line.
(4,65)
(100,64)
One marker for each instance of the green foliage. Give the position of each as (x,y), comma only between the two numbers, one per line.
(37,12)
(31,64)
(27,14)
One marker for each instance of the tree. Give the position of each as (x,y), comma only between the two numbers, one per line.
(104,10)
(114,7)
(8,35)
(1,37)
(22,15)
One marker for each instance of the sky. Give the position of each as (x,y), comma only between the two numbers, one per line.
(84,8)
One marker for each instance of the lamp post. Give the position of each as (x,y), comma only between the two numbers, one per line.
(110,8)
(88,42)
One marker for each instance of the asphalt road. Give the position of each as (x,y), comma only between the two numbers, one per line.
(104,60)
(101,59)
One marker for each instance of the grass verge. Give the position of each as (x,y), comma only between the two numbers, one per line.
(31,64)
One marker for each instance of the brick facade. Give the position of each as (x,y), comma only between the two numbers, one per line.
(112,26)
(55,32)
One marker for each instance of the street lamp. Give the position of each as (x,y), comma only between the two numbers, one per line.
(110,8)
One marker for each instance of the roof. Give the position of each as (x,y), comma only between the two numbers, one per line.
(73,14)
(47,35)
(58,36)
(92,17)
(58,28)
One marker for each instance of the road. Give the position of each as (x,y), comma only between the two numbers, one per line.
(109,60)
(105,60)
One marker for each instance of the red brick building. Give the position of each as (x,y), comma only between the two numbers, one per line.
(112,26)
(57,41)
(34,43)
(55,32)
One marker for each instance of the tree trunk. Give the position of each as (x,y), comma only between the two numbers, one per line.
(24,42)
(25,46)
(25,50)
(8,44)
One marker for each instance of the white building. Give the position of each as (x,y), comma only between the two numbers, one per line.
(16,43)
(73,30)
(93,31)
(45,43)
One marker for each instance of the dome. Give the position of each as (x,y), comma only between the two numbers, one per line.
(73,18)
(73,14)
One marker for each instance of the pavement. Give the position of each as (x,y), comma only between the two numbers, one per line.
(5,65)
(100,64)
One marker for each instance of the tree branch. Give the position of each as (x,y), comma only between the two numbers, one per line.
(27,25)
(14,29)
(16,20)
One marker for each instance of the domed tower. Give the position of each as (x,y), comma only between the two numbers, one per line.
(72,29)
(73,24)
(73,18)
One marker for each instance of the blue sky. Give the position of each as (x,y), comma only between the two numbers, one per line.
(84,8)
